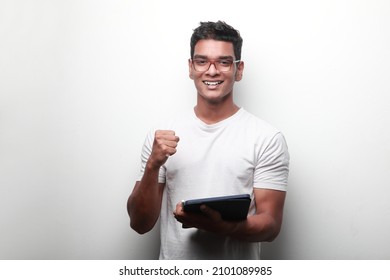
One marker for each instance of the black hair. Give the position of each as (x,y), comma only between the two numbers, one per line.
(219,31)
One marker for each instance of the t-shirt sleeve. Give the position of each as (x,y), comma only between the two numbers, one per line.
(271,171)
(145,154)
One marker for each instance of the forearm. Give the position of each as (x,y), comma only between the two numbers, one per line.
(266,223)
(256,228)
(144,203)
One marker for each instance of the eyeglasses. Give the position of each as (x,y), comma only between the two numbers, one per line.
(223,65)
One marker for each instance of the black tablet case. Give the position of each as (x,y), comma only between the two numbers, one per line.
(232,207)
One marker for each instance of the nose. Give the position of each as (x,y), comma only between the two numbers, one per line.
(212,69)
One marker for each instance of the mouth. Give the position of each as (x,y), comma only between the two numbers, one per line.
(212,83)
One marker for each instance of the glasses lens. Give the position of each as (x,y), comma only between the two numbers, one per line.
(203,65)
(224,65)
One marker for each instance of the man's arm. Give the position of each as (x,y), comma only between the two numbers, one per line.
(264,225)
(144,203)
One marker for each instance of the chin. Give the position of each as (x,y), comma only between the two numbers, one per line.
(214,97)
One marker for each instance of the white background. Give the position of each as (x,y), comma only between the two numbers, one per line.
(81,82)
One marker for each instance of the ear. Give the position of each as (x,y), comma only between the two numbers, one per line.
(190,69)
(239,71)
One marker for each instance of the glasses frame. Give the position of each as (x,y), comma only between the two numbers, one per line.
(213,61)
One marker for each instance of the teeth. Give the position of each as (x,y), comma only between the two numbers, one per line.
(212,83)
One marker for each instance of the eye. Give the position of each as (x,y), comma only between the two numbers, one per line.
(225,62)
(200,61)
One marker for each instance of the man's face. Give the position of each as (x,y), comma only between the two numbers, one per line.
(215,85)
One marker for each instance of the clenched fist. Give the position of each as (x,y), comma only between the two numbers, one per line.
(164,145)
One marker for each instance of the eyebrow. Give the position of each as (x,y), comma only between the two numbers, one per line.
(220,57)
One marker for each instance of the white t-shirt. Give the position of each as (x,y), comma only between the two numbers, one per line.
(230,157)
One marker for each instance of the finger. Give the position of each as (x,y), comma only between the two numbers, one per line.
(169,137)
(211,213)
(165,147)
(168,151)
(161,138)
(166,133)
(178,214)
(171,144)
(179,207)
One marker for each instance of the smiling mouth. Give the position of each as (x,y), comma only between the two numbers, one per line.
(208,83)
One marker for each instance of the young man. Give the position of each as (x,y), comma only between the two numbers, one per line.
(218,149)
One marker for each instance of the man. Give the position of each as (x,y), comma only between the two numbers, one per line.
(222,150)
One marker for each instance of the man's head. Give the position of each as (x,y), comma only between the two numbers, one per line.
(215,63)
(219,31)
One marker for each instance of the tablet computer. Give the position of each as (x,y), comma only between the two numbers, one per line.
(232,207)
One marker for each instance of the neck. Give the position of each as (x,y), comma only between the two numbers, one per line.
(211,113)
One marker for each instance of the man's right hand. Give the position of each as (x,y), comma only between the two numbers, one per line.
(164,146)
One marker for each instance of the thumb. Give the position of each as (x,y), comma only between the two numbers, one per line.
(211,213)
